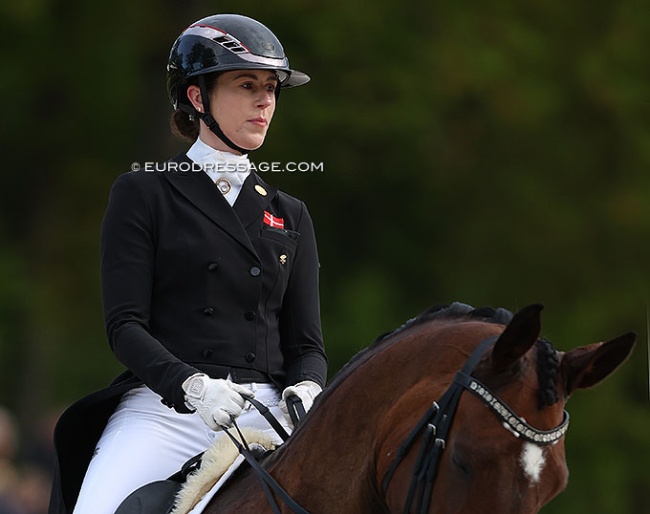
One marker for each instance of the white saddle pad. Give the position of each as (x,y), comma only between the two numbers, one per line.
(218,464)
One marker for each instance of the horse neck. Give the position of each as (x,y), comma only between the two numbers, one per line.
(430,353)
(341,433)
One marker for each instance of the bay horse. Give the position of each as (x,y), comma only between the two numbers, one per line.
(503,452)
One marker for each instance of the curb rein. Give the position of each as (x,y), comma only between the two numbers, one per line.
(436,424)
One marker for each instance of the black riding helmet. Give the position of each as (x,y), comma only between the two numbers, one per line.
(220,43)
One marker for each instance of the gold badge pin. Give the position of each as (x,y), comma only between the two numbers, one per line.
(260,190)
(283,259)
(223,185)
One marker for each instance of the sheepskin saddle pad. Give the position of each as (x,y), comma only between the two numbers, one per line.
(217,465)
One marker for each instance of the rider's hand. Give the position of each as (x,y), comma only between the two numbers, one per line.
(306,390)
(217,401)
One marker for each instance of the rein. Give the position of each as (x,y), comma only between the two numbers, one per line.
(296,413)
(436,424)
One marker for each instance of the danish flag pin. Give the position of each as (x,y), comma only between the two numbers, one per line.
(273,221)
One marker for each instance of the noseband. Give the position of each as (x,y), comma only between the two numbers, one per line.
(436,422)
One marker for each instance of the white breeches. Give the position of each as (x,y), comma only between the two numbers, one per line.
(145,441)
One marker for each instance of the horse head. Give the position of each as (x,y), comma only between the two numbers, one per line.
(504,451)
(505,448)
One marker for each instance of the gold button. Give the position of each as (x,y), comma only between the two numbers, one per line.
(260,190)
(283,259)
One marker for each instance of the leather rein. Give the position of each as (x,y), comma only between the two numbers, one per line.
(436,423)
(269,484)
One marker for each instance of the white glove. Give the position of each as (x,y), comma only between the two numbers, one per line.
(217,401)
(306,390)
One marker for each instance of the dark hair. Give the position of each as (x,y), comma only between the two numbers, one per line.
(548,367)
(181,125)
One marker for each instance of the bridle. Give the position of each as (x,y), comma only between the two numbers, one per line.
(435,425)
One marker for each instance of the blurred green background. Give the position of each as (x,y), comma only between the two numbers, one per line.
(495,153)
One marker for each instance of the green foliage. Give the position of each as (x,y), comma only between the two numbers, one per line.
(494,153)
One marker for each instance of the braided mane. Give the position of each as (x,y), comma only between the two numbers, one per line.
(547,358)
(548,367)
(456,310)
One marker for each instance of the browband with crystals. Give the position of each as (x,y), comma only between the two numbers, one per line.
(516,424)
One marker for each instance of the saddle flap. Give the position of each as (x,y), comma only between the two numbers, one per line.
(157,497)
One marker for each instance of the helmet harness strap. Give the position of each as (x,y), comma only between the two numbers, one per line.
(209,120)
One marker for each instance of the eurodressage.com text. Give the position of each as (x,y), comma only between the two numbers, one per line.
(259,167)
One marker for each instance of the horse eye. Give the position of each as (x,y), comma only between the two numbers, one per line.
(461,464)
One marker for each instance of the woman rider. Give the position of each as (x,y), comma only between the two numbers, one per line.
(209,281)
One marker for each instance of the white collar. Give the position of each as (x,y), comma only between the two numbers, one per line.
(221,165)
(217,163)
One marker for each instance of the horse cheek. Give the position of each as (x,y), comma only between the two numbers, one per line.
(452,492)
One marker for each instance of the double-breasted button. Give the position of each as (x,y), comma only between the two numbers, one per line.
(207,353)
(208,311)
(212,267)
(250,357)
(249,315)
(255,271)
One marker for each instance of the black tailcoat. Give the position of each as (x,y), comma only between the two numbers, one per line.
(192,284)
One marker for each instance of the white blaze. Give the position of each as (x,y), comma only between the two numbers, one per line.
(532,460)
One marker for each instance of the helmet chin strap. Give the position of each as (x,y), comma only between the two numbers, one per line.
(211,123)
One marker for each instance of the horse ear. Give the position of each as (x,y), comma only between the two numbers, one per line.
(584,367)
(518,337)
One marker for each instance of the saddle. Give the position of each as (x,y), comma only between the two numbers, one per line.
(198,479)
(204,474)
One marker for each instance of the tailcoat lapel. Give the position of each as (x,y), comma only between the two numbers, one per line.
(254,197)
(197,187)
